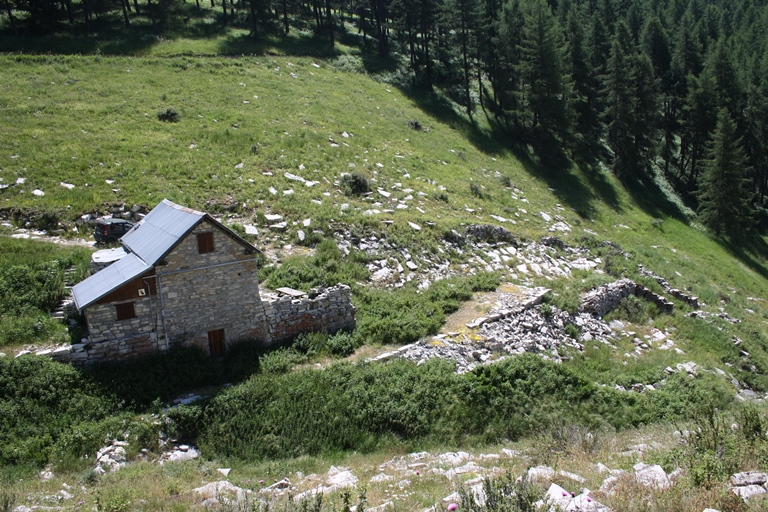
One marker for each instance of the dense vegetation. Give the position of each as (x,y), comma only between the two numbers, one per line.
(648,79)
(56,413)
(31,285)
(621,118)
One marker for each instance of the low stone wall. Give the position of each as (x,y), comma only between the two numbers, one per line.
(123,349)
(606,298)
(328,310)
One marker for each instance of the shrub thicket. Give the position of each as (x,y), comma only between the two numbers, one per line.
(364,406)
(32,284)
(355,184)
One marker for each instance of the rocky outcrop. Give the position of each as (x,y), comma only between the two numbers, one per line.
(749,484)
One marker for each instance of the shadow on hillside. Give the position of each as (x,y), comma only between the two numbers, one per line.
(304,44)
(109,36)
(565,185)
(651,199)
(441,109)
(751,251)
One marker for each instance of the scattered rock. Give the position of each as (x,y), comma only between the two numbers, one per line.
(651,475)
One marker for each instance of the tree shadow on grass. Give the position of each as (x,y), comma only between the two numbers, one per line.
(555,171)
(303,44)
(752,251)
(440,108)
(109,35)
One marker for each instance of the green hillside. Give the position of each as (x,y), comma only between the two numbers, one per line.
(231,135)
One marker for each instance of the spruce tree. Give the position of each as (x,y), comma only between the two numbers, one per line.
(547,88)
(725,197)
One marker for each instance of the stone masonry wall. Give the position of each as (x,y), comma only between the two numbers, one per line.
(103,323)
(330,310)
(112,350)
(206,292)
(198,293)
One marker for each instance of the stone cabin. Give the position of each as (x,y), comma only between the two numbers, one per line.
(186,278)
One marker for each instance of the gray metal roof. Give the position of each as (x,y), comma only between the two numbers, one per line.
(152,237)
(98,285)
(148,241)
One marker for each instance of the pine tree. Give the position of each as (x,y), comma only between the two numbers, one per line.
(547,91)
(619,107)
(725,197)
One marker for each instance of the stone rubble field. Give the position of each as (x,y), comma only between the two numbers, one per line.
(394,481)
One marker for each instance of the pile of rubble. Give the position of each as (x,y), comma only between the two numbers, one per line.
(113,456)
(485,248)
(749,484)
(517,325)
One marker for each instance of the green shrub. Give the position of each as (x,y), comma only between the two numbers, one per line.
(185,423)
(355,184)
(327,268)
(169,115)
(634,309)
(280,361)
(342,344)
(44,403)
(504,494)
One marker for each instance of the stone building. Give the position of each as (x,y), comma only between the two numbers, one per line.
(185,278)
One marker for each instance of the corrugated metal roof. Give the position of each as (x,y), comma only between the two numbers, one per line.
(98,285)
(147,242)
(152,237)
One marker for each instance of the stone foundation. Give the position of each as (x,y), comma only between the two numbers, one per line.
(606,298)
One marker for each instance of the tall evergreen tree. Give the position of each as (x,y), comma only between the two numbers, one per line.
(585,84)
(546,92)
(619,105)
(725,197)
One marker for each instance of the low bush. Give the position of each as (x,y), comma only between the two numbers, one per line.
(43,402)
(364,406)
(720,443)
(327,267)
(355,184)
(169,115)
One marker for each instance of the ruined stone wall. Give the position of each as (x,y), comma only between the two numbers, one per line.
(330,310)
(112,350)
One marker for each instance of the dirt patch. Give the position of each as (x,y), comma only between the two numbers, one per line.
(479,305)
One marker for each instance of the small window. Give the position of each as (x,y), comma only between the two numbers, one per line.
(205,242)
(125,311)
